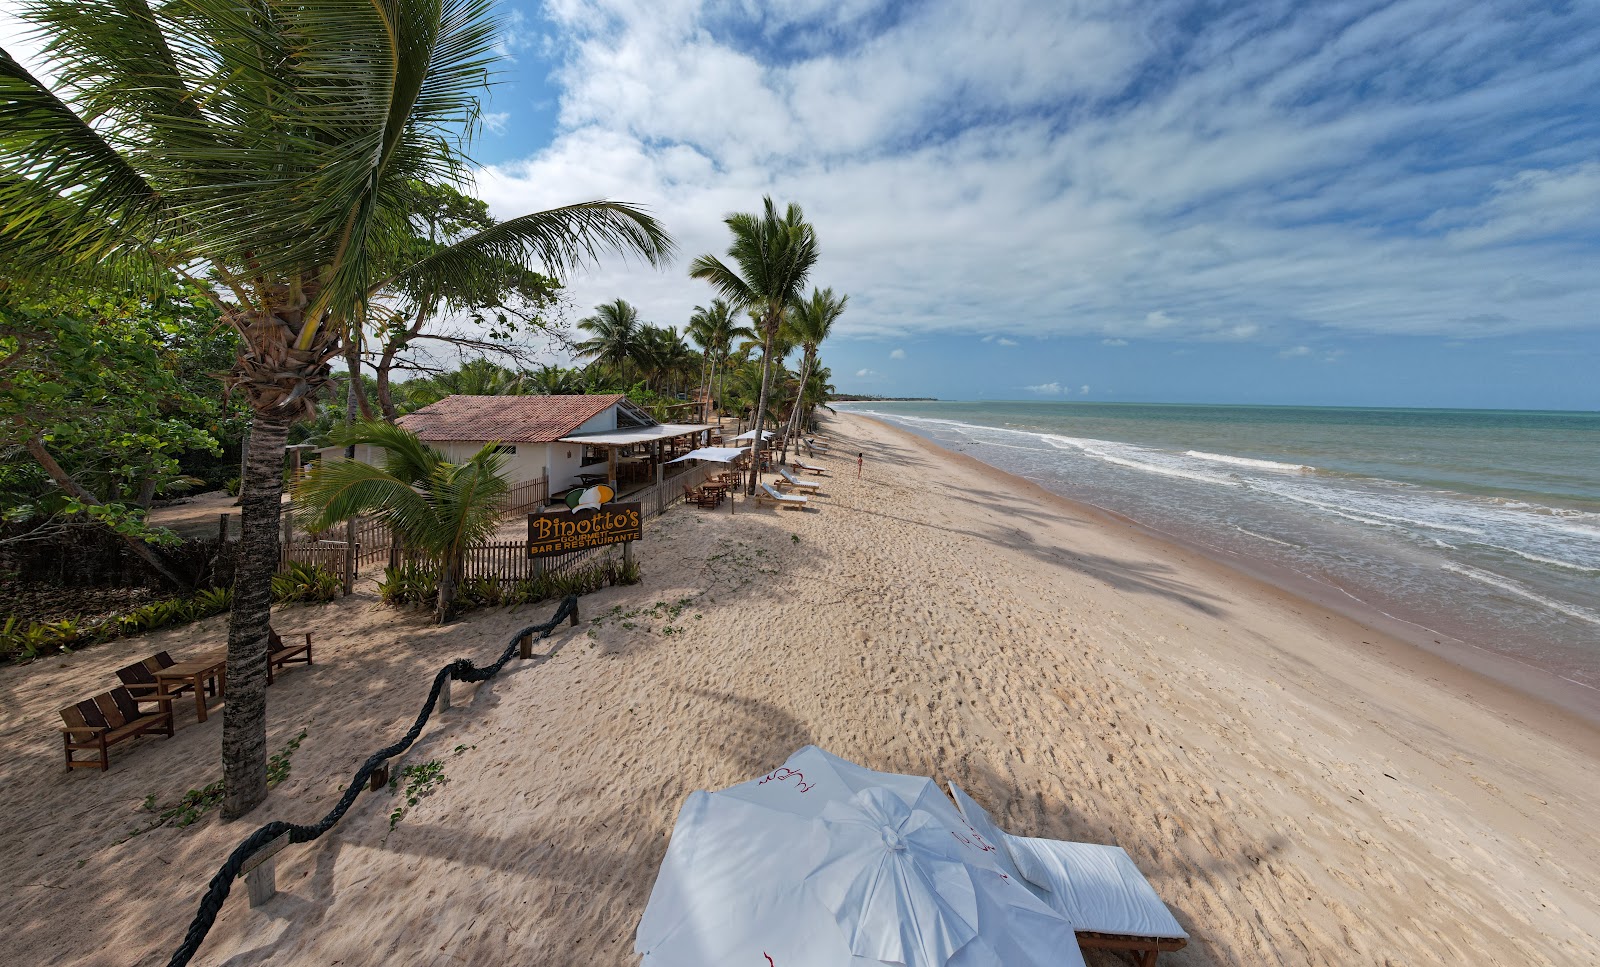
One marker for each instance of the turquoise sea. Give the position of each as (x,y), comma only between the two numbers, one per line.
(1482,526)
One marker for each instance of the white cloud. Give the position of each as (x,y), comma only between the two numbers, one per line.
(1048,389)
(495,121)
(1294,351)
(864,373)
(1084,389)
(1089,169)
(1002,341)
(898,354)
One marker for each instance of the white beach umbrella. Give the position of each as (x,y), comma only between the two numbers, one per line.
(823,863)
(751,435)
(713,454)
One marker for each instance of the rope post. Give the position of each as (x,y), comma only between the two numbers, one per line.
(574,613)
(222,528)
(261,871)
(525,647)
(444,696)
(379,779)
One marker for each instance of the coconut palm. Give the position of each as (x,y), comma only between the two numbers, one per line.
(715,329)
(772,256)
(271,150)
(433,507)
(550,380)
(808,324)
(615,340)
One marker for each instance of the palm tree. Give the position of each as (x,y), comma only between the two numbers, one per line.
(615,342)
(773,254)
(269,149)
(715,330)
(432,506)
(809,324)
(550,380)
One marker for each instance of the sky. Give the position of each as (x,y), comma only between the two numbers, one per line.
(1342,203)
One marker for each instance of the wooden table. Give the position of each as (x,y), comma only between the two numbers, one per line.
(590,479)
(209,672)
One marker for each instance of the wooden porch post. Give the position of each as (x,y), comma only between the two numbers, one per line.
(611,467)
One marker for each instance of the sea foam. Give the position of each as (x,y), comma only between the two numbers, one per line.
(1250,462)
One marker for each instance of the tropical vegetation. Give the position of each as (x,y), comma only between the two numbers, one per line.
(270,155)
(435,509)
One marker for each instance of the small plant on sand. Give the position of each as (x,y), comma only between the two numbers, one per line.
(419,780)
(194,804)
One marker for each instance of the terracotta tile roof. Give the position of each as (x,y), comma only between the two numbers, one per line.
(508,419)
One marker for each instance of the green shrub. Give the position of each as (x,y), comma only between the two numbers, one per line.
(305,582)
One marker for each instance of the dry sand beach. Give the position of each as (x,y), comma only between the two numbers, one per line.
(1298,789)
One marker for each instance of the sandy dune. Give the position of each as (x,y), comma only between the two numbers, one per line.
(1295,795)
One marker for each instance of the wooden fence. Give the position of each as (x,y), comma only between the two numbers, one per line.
(503,560)
(325,554)
(528,495)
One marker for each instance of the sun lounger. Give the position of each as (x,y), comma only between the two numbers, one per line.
(767,495)
(1110,903)
(808,468)
(785,477)
(96,724)
(280,654)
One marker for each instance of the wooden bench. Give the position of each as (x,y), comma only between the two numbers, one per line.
(280,653)
(97,724)
(140,677)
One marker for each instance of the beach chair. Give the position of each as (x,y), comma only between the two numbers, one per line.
(767,495)
(808,468)
(280,654)
(139,678)
(97,724)
(700,496)
(1109,902)
(785,477)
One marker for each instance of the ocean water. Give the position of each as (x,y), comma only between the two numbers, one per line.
(1482,527)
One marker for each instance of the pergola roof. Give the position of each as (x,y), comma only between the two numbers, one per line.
(639,434)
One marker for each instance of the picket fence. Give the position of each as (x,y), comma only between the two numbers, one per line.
(501,560)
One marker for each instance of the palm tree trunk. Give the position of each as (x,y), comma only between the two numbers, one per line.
(447,591)
(767,332)
(244,717)
(357,390)
(151,556)
(794,412)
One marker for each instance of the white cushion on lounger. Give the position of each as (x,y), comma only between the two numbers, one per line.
(1098,888)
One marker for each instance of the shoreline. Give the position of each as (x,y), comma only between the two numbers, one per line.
(1294,796)
(1527,693)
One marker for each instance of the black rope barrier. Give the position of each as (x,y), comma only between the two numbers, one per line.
(460,670)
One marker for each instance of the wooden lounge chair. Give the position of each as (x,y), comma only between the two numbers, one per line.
(97,724)
(1109,902)
(808,468)
(785,477)
(280,654)
(767,495)
(139,678)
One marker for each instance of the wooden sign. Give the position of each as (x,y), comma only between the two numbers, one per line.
(563,533)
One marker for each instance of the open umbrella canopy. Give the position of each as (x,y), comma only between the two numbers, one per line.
(713,454)
(823,863)
(751,435)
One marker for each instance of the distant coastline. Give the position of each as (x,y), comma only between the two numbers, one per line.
(858,398)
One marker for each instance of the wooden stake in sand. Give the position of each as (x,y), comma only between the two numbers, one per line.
(261,871)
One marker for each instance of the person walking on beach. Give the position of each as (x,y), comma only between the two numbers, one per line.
(859,457)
